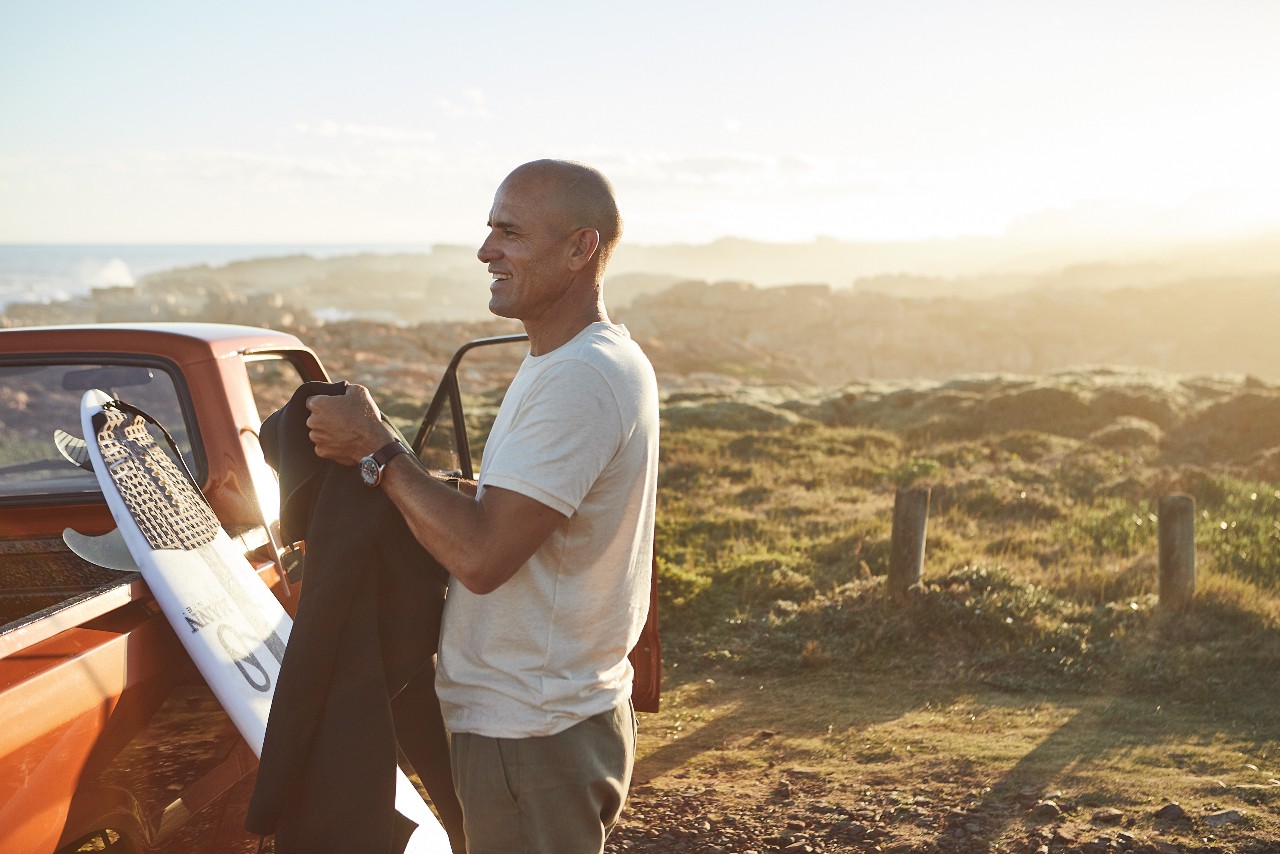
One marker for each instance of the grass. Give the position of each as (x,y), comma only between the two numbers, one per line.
(797,511)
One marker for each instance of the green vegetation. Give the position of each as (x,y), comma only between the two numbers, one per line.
(1041,551)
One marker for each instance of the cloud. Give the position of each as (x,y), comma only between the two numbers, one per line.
(389,163)
(256,167)
(364,133)
(471,104)
(745,173)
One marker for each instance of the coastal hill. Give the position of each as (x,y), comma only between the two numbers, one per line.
(817,335)
(447,282)
(850,312)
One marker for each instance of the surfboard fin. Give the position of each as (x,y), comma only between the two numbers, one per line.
(73,448)
(105,550)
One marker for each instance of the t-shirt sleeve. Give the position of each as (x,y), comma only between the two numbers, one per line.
(566,430)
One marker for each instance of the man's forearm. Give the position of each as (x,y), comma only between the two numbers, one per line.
(482,541)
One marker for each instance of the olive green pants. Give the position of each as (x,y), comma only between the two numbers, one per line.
(555,794)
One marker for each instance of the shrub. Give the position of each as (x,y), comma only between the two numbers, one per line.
(915,470)
(994,498)
(1230,430)
(1111,528)
(1128,434)
(678,585)
(1242,532)
(1032,445)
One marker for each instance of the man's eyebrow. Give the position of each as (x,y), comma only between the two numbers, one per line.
(501,224)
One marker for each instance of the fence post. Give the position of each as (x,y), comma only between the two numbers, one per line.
(906,546)
(1177,540)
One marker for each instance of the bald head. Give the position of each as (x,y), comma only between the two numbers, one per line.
(578,195)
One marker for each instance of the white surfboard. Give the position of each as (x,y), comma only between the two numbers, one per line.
(229,621)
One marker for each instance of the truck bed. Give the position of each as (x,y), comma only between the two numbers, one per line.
(39,577)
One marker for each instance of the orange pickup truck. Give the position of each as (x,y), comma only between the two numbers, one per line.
(109,738)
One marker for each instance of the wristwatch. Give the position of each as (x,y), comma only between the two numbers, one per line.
(372,466)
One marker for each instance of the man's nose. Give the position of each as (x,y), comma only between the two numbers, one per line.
(487,252)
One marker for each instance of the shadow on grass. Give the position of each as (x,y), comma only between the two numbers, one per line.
(713,713)
(1188,717)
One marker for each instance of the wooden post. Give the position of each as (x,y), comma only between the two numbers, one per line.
(1177,539)
(906,547)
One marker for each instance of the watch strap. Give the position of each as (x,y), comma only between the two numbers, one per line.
(388,452)
(372,466)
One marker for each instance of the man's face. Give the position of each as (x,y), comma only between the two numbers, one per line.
(526,250)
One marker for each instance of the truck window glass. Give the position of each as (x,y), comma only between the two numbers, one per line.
(440,453)
(273,379)
(481,411)
(484,370)
(36,399)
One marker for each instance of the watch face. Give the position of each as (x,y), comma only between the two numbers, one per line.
(370,471)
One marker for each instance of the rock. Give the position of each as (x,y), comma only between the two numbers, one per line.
(1110,815)
(1063,836)
(1172,812)
(1223,818)
(1027,797)
(1046,811)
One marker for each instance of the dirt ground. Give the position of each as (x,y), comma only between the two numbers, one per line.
(825,763)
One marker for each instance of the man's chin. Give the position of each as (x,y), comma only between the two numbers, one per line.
(497,308)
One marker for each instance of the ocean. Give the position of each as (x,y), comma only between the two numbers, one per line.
(57,272)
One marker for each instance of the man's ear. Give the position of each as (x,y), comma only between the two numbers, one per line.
(583,244)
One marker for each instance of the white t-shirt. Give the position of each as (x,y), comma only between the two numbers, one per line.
(578,432)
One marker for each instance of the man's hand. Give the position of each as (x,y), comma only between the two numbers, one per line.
(346,428)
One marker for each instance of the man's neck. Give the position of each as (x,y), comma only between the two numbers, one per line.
(559,330)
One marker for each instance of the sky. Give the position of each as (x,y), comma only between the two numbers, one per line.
(393,122)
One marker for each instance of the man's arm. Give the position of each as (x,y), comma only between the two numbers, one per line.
(481,541)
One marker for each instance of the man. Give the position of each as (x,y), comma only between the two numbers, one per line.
(550,559)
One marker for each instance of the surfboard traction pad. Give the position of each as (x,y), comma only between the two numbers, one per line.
(169,510)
